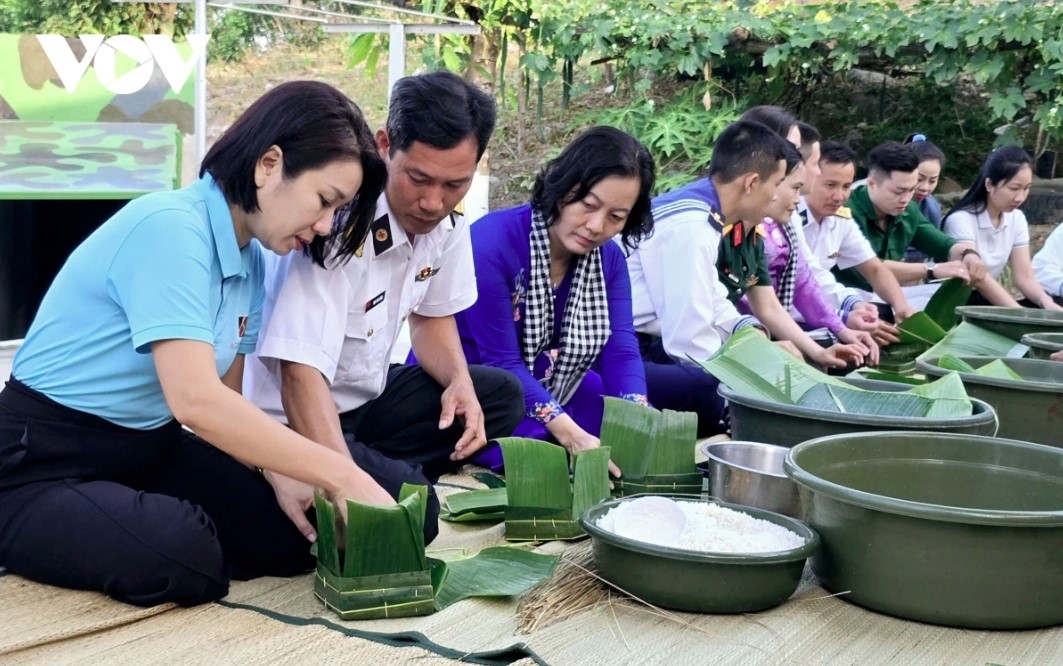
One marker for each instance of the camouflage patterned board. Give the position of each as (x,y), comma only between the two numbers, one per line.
(52,160)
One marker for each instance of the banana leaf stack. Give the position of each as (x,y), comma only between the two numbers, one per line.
(924,329)
(383,570)
(544,501)
(653,449)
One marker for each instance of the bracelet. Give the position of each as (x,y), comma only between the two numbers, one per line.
(963,255)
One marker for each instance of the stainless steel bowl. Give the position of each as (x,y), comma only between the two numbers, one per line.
(751,474)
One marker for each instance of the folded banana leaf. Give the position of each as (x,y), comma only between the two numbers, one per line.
(543,502)
(968,339)
(948,397)
(653,449)
(950,362)
(372,585)
(998,370)
(474,506)
(752,365)
(942,305)
(920,329)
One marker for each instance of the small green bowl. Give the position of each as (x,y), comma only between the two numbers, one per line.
(700,582)
(1012,322)
(949,529)
(1043,345)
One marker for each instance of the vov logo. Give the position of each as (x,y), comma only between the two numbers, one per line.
(102,52)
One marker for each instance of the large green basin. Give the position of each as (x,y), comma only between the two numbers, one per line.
(950,529)
(756,420)
(1043,345)
(1012,322)
(700,582)
(1031,409)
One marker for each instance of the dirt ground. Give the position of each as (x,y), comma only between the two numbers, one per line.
(515,153)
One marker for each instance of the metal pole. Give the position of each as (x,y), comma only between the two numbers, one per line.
(201,87)
(396,55)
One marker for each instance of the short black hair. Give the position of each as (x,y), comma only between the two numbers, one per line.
(888,157)
(746,147)
(439,109)
(776,118)
(314,125)
(593,156)
(809,137)
(835,152)
(924,149)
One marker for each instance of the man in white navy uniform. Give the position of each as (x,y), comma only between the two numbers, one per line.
(322,363)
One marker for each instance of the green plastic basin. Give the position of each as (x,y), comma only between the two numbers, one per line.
(1012,322)
(1031,409)
(700,582)
(756,420)
(1043,345)
(949,529)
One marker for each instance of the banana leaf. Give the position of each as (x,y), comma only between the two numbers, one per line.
(432,585)
(490,480)
(948,397)
(385,571)
(654,450)
(753,366)
(998,370)
(502,571)
(881,375)
(920,329)
(474,506)
(942,305)
(950,362)
(543,501)
(968,339)
(851,400)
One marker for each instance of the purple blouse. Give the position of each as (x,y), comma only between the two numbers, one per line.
(809,298)
(491,329)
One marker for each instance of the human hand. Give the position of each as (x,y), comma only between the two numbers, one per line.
(294,498)
(862,318)
(886,334)
(581,440)
(975,266)
(861,340)
(459,401)
(790,348)
(956,269)
(900,314)
(838,356)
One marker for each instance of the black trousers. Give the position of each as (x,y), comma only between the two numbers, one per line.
(146,517)
(403,422)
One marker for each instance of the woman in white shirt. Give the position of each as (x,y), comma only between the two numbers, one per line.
(989,216)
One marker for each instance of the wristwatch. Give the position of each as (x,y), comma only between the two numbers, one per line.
(930,265)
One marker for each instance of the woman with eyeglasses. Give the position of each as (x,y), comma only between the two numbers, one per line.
(143,331)
(988,215)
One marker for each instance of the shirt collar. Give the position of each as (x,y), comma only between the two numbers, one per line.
(232,259)
(386,232)
(982,219)
(860,203)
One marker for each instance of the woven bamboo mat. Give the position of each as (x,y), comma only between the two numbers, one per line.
(275,620)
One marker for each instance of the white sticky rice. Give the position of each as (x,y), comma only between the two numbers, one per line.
(710,528)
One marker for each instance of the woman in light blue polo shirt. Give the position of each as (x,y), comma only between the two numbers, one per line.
(145,329)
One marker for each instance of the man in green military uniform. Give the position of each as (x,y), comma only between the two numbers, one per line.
(891,222)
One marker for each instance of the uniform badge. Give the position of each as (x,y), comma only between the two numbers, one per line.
(426,273)
(374,301)
(381,235)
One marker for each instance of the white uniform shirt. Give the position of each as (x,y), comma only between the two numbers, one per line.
(834,241)
(1048,263)
(675,288)
(994,243)
(344,320)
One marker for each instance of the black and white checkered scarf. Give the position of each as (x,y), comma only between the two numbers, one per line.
(788,279)
(585,325)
